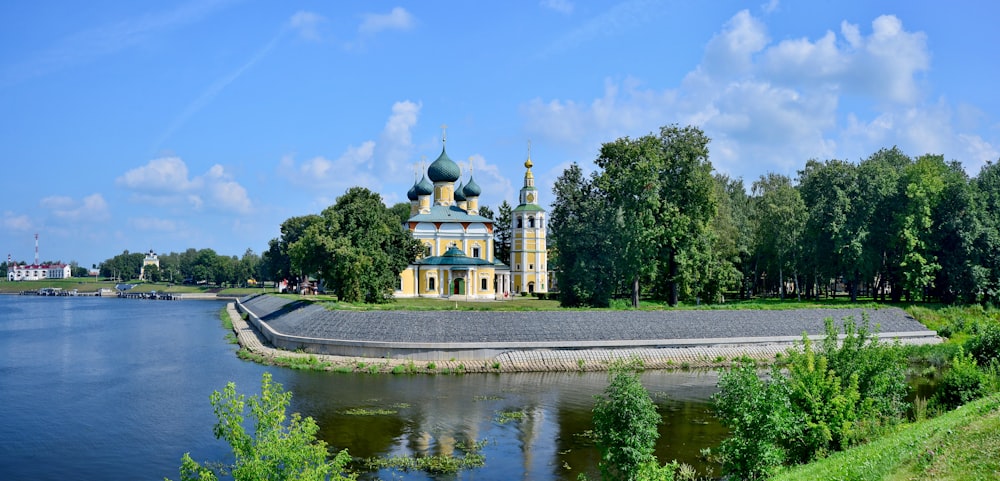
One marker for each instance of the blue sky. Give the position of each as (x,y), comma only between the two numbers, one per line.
(205,124)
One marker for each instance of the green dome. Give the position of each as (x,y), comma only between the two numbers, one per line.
(444,169)
(412,193)
(459,195)
(472,189)
(424,187)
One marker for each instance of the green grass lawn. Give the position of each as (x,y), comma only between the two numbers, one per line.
(960,445)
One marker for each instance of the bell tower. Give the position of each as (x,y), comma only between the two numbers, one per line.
(529,258)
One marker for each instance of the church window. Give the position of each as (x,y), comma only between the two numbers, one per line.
(483,283)
(519,224)
(531,266)
(531,222)
(475,251)
(427,250)
(430,284)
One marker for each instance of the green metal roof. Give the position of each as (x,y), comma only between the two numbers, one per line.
(440,213)
(472,189)
(453,257)
(424,187)
(528,208)
(443,169)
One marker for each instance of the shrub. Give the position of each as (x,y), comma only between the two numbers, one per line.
(625,421)
(985,346)
(962,383)
(880,369)
(757,414)
(826,408)
(274,449)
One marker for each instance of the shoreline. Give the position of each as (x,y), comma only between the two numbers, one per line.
(255,346)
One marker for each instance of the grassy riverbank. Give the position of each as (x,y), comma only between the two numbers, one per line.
(963,444)
(84,285)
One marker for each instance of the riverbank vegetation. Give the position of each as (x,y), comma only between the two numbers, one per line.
(850,395)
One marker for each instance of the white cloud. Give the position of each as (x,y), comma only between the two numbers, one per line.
(395,143)
(12,221)
(92,208)
(397,19)
(773,105)
(165,182)
(562,6)
(163,175)
(307,24)
(353,167)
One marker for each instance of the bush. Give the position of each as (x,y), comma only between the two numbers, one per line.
(625,430)
(880,369)
(758,416)
(962,383)
(274,450)
(985,346)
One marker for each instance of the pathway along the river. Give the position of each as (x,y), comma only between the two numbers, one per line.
(509,341)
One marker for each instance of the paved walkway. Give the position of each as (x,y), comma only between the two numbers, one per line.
(491,341)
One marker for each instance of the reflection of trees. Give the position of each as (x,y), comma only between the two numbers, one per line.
(435,413)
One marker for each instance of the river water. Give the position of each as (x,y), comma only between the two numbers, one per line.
(96,388)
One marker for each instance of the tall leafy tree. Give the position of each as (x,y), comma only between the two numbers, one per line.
(987,184)
(782,218)
(881,200)
(357,247)
(831,237)
(664,189)
(922,184)
(581,228)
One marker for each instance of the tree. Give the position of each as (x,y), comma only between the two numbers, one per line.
(485,211)
(831,238)
(782,218)
(502,234)
(275,450)
(987,185)
(357,247)
(581,228)
(402,211)
(664,189)
(277,262)
(625,428)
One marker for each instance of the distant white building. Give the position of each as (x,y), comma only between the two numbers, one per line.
(37,272)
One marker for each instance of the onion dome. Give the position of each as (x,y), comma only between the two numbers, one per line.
(444,169)
(412,193)
(459,193)
(424,187)
(472,189)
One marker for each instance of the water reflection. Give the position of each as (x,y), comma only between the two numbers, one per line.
(429,415)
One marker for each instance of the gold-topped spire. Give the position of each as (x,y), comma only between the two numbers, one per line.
(528,163)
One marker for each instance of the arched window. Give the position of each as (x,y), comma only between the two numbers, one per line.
(430,284)
(519,224)
(531,222)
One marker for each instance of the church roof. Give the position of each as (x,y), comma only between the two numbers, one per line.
(453,257)
(412,193)
(472,189)
(424,187)
(443,169)
(459,193)
(440,213)
(528,208)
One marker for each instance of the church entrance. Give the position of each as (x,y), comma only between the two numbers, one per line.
(459,287)
(531,287)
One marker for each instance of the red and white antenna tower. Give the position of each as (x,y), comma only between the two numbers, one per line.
(36,249)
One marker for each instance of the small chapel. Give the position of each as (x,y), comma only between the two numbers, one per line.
(458,247)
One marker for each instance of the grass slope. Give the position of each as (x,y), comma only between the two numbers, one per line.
(961,445)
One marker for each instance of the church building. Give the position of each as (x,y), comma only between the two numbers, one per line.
(458,257)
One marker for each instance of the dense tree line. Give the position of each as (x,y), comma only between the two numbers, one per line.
(202,266)
(655,220)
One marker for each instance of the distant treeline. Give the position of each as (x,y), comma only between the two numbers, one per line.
(655,220)
(192,266)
